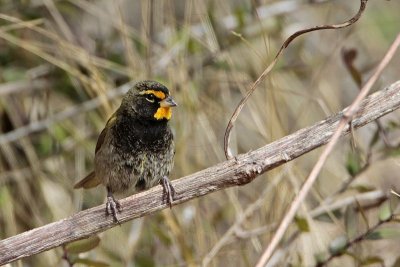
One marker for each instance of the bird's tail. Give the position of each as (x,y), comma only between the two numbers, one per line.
(88,182)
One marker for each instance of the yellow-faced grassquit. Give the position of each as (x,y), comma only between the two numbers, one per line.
(135,150)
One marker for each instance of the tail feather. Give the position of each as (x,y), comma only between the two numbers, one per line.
(88,182)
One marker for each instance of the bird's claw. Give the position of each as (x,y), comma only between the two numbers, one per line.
(113,207)
(169,190)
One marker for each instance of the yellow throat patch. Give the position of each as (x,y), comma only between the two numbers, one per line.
(163,113)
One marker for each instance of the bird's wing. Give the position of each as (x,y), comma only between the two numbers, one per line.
(103,133)
(91,180)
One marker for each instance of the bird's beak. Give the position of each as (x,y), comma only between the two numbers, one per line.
(168,102)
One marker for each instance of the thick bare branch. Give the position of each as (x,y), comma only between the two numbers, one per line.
(238,171)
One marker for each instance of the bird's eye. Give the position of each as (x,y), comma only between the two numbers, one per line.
(150,98)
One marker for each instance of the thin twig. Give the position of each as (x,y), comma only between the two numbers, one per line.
(241,104)
(395,193)
(330,206)
(365,199)
(347,117)
(239,171)
(224,239)
(354,241)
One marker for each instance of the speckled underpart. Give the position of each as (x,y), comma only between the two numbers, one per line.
(135,150)
(138,157)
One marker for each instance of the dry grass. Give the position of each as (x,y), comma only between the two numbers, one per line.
(79,50)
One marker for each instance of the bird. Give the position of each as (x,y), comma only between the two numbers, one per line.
(135,150)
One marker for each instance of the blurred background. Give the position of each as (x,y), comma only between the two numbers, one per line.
(65,64)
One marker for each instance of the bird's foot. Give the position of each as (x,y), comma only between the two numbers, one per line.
(112,206)
(169,190)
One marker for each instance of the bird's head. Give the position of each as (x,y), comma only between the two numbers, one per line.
(148,100)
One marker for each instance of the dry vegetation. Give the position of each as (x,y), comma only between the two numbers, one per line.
(59,60)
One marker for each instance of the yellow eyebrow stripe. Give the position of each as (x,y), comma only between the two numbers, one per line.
(158,94)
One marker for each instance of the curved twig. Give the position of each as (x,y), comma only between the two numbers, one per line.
(285,44)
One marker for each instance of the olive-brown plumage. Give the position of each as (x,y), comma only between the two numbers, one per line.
(135,150)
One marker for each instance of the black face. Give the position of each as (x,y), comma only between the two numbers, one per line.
(143,101)
(147,105)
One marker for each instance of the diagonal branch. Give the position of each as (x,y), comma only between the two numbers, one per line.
(344,121)
(238,171)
